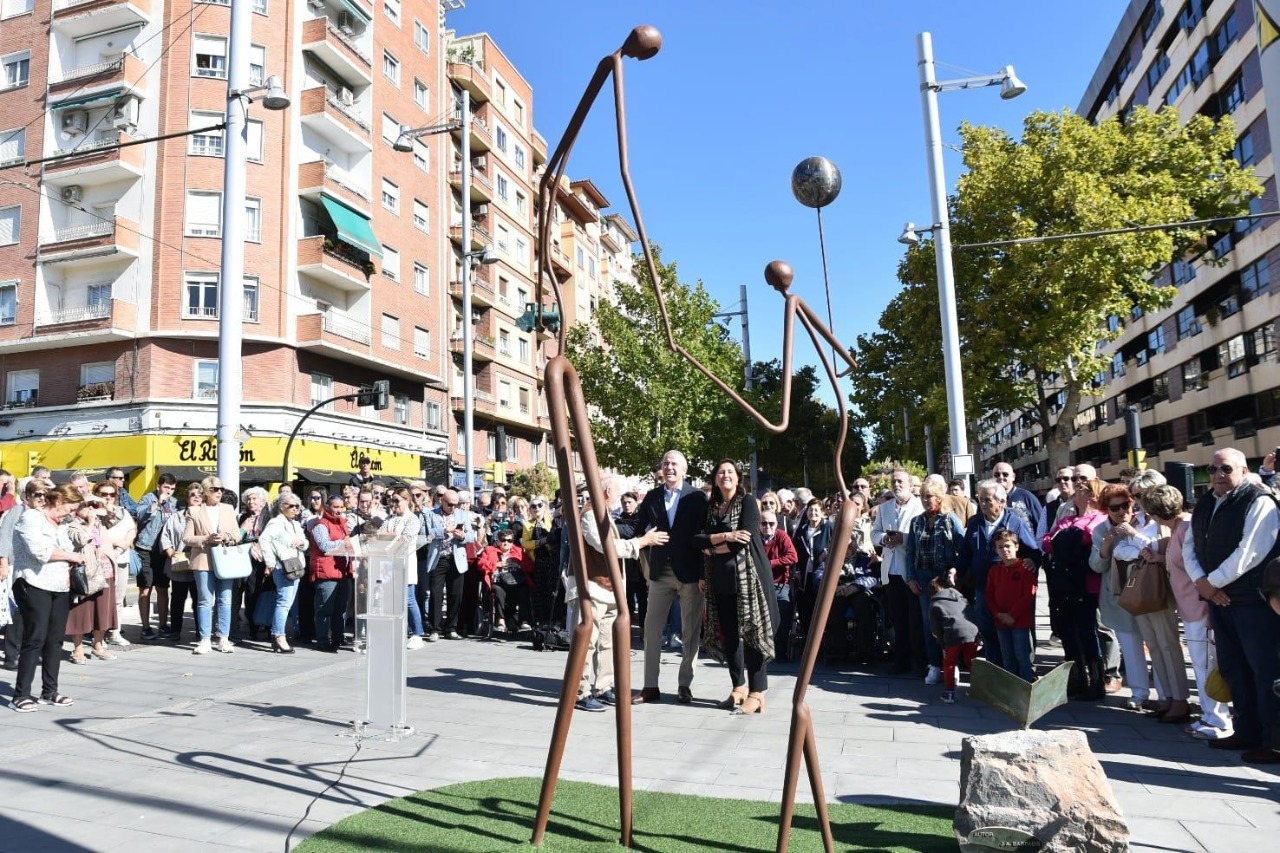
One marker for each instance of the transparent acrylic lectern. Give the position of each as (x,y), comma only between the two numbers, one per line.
(382,572)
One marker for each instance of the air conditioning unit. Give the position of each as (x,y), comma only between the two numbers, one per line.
(347,23)
(481,162)
(72,193)
(315,5)
(125,115)
(75,122)
(479,211)
(345,96)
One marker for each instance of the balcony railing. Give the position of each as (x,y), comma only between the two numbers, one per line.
(331,98)
(106,140)
(82,314)
(345,329)
(96,391)
(84,232)
(110,67)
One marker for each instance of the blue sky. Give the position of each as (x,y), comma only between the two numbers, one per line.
(743,91)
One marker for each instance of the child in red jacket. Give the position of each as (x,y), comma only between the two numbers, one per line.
(1011,598)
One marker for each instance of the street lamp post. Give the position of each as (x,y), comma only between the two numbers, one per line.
(930,86)
(231,278)
(749,378)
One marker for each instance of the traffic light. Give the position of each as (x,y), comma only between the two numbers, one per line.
(377,395)
(500,443)
(537,317)
(499,474)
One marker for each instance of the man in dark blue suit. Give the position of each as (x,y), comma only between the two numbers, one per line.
(674,569)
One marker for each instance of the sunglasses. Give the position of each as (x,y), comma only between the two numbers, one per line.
(507,541)
(1124,507)
(214,489)
(419,494)
(1224,470)
(116,477)
(1003,475)
(106,494)
(1080,479)
(768,524)
(537,504)
(1062,479)
(293,506)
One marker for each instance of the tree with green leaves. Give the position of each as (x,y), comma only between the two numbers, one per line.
(646,399)
(541,479)
(1031,315)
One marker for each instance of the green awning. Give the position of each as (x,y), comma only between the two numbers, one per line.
(358,10)
(353,227)
(89,99)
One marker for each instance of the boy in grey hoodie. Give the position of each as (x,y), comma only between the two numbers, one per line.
(957,636)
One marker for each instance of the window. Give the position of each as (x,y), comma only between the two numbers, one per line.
(391,263)
(422,37)
(491,449)
(500,92)
(400,410)
(8,303)
(251,299)
(17,69)
(1243,152)
(522,296)
(504,342)
(210,57)
(513,448)
(521,201)
(421,342)
(421,279)
(391,8)
(260,6)
(500,137)
(97,373)
(1245,226)
(97,297)
(1226,34)
(1231,95)
(202,295)
(504,394)
(1232,354)
(504,237)
(1191,14)
(504,289)
(1183,272)
(581,257)
(591,267)
(517,110)
(1155,341)
(13,8)
(210,143)
(1255,280)
(13,145)
(1263,343)
(391,67)
(10,225)
(390,331)
(421,155)
(206,378)
(1157,68)
(421,94)
(522,250)
(523,344)
(1188,323)
(253,220)
(253,129)
(1117,366)
(24,387)
(431,415)
(519,155)
(321,390)
(390,196)
(421,217)
(1193,378)
(503,187)
(204,214)
(257,65)
(524,401)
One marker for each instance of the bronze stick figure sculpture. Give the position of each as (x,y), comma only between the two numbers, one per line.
(565,402)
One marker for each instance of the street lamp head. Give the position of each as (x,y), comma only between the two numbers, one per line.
(909,237)
(816,182)
(483,256)
(404,141)
(1010,86)
(276,98)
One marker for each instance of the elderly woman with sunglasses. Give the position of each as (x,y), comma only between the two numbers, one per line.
(94,614)
(212,523)
(283,545)
(119,532)
(182,581)
(1117,544)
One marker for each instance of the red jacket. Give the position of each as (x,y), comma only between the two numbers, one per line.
(781,552)
(491,558)
(1012,590)
(325,567)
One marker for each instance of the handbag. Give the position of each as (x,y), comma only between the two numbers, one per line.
(179,568)
(293,567)
(231,562)
(1146,590)
(79,581)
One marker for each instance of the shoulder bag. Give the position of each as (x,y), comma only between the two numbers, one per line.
(231,562)
(1146,590)
(178,568)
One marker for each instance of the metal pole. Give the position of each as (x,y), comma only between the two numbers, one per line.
(468,341)
(942,252)
(928,450)
(231,280)
(750,380)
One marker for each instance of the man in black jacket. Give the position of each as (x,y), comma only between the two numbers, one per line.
(679,510)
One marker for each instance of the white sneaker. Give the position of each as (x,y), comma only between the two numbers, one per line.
(202,648)
(115,638)
(225,646)
(934,676)
(415,642)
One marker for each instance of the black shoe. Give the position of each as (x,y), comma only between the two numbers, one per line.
(608,697)
(1233,742)
(9,667)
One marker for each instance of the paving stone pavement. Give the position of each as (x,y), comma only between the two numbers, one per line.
(164,750)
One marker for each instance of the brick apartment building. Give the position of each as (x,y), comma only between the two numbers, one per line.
(109,256)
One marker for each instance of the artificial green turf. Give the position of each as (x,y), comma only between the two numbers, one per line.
(497,815)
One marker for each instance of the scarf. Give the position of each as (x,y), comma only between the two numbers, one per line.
(754,624)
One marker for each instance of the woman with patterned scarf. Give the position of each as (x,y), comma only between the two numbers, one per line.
(742,607)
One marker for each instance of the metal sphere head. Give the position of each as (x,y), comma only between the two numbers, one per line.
(779,274)
(644,42)
(816,182)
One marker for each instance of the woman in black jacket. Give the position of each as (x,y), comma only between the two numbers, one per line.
(812,540)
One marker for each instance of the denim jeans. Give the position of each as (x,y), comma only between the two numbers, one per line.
(331,611)
(1015,651)
(932,651)
(209,587)
(286,591)
(415,612)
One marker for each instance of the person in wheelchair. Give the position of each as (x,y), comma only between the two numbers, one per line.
(507,581)
(855,629)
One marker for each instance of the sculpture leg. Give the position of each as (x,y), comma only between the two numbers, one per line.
(816,787)
(578,648)
(622,688)
(800,719)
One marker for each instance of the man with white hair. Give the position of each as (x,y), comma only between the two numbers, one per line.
(786,507)
(1233,533)
(797,515)
(1018,500)
(890,534)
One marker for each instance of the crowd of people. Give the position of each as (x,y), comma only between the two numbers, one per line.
(930,579)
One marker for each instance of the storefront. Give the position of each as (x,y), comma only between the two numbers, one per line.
(192,457)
